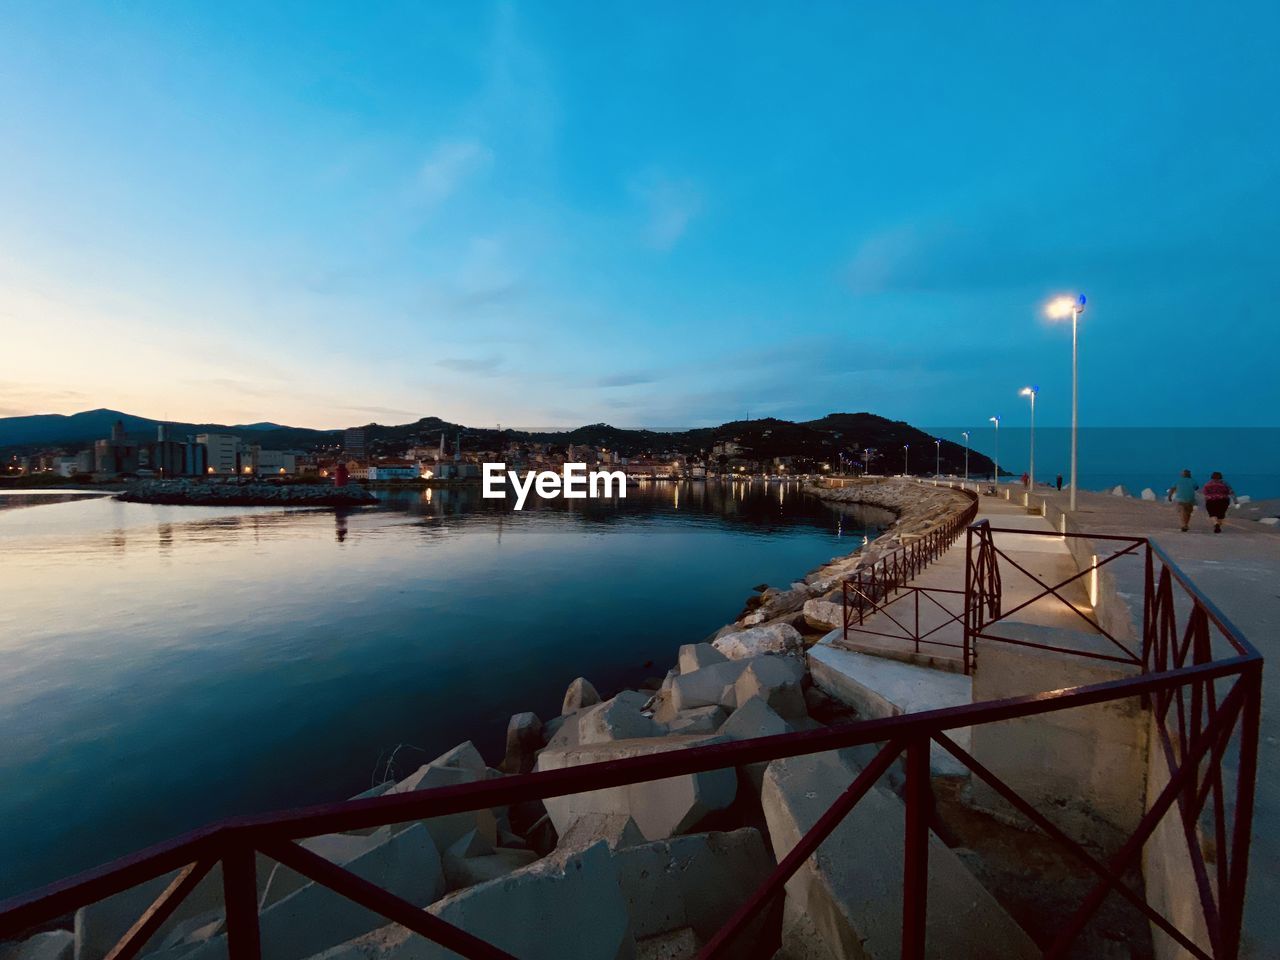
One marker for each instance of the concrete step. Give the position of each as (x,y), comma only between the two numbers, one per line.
(876,686)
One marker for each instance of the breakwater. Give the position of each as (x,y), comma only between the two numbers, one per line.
(245,494)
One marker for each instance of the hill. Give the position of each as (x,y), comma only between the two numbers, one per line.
(827,439)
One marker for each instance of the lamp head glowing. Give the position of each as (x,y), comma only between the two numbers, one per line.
(1028,391)
(1059,308)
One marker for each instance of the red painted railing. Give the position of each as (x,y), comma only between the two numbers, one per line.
(876,587)
(1202,686)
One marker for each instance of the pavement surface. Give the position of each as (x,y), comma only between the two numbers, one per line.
(1239,571)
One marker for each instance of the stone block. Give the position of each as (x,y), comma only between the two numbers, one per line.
(770,638)
(660,808)
(473,860)
(339,848)
(615,829)
(695,881)
(698,720)
(617,719)
(580,694)
(776,681)
(566,907)
(695,656)
(710,686)
(50,945)
(851,887)
(315,918)
(824,614)
(682,944)
(524,740)
(753,719)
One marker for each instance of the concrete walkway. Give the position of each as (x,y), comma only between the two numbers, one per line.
(1239,571)
(1047,558)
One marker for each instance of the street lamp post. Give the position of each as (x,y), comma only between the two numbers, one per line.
(906,448)
(1060,308)
(937,457)
(965,434)
(1031,392)
(996,421)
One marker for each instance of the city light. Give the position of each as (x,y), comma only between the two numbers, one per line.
(1059,308)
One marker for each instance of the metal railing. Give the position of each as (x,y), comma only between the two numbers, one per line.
(1213,699)
(873,589)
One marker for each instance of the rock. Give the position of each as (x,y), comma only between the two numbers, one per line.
(698,720)
(851,887)
(1243,499)
(580,694)
(1119,491)
(695,656)
(680,944)
(99,926)
(339,848)
(615,829)
(774,638)
(710,686)
(314,918)
(617,719)
(660,808)
(566,907)
(524,740)
(1270,521)
(1148,494)
(464,756)
(753,719)
(193,932)
(447,829)
(824,615)
(670,678)
(473,860)
(776,681)
(50,945)
(695,881)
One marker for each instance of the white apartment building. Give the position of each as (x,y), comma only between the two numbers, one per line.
(223,451)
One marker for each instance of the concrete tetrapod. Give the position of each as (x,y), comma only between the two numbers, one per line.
(851,887)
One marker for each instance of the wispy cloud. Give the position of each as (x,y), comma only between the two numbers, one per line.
(450,164)
(487,366)
(626,380)
(670,205)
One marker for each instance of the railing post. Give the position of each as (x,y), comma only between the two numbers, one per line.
(240,893)
(915,863)
(968,599)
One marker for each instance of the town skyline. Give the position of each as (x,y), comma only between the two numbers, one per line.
(500,214)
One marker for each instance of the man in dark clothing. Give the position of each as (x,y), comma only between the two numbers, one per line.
(1217,497)
(1059,483)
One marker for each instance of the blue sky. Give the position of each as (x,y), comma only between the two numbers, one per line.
(657,214)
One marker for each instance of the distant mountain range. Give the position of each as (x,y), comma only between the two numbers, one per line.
(821,439)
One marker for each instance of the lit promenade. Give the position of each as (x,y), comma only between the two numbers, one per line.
(1239,571)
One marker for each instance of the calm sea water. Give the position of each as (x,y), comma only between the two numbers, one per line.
(164,666)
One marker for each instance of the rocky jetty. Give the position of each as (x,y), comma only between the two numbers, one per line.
(814,604)
(250,493)
(645,870)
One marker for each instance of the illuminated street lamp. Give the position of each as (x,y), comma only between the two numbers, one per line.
(1059,309)
(965,434)
(906,448)
(996,421)
(937,457)
(1031,392)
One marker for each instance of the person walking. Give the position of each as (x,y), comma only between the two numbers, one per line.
(1218,495)
(1183,495)
(1059,483)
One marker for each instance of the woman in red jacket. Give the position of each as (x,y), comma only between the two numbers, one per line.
(1217,497)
